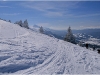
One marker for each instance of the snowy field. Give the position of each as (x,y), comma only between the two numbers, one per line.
(23,51)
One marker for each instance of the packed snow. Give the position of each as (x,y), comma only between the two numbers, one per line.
(23,51)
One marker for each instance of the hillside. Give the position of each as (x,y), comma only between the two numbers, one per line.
(90,36)
(23,51)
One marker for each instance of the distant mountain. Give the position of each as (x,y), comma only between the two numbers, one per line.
(86,33)
(81,35)
(36,26)
(92,32)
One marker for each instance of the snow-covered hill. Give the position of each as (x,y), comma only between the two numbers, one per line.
(23,51)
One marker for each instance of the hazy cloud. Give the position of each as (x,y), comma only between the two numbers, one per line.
(87,15)
(5,7)
(51,8)
(89,27)
(11,14)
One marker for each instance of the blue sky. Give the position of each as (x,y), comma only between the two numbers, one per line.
(57,15)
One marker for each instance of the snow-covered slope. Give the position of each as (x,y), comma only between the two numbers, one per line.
(23,51)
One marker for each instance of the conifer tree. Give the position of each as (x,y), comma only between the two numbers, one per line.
(20,23)
(70,37)
(9,21)
(25,24)
(41,30)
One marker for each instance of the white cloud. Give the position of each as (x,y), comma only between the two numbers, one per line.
(58,8)
(5,7)
(11,14)
(4,0)
(53,14)
(89,27)
(41,6)
(87,15)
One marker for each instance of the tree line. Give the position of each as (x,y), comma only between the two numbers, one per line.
(20,23)
(23,24)
(5,20)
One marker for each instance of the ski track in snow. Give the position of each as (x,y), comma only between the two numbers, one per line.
(29,52)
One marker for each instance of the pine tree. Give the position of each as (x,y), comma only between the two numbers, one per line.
(25,24)
(41,30)
(9,21)
(20,23)
(4,19)
(16,22)
(70,37)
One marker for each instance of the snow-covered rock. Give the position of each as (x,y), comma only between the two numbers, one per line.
(23,51)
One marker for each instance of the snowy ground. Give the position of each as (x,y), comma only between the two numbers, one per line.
(23,51)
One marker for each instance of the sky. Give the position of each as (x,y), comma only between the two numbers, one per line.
(58,15)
